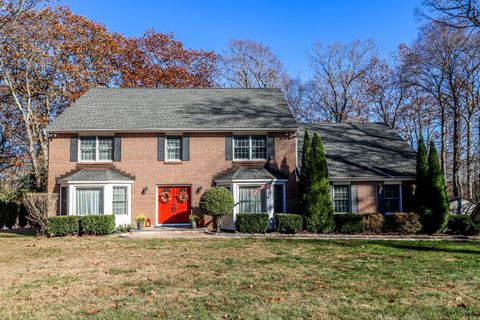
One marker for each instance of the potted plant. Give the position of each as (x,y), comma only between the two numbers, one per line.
(140,219)
(193,220)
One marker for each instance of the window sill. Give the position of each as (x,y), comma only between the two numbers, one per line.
(250,161)
(173,162)
(95,162)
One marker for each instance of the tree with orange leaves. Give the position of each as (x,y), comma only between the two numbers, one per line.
(158,60)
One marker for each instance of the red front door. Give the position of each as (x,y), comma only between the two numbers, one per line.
(173,204)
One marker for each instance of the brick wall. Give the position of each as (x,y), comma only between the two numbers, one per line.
(368,196)
(139,158)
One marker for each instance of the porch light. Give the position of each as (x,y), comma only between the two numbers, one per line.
(145,190)
(199,189)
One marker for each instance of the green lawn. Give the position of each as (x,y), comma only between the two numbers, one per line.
(115,278)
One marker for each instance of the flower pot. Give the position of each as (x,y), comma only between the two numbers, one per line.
(193,224)
(140,225)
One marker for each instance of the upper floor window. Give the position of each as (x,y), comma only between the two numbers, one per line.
(173,147)
(341,199)
(249,147)
(96,149)
(391,197)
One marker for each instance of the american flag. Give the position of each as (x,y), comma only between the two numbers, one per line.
(264,186)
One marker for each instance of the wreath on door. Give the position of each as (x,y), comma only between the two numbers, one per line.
(165,196)
(182,196)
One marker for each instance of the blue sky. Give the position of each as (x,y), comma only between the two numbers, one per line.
(290,28)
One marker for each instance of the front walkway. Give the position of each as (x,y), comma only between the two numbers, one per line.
(168,232)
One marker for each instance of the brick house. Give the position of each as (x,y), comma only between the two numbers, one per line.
(155,151)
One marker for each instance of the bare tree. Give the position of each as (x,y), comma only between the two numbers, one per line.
(250,64)
(39,207)
(386,92)
(337,84)
(454,13)
(443,63)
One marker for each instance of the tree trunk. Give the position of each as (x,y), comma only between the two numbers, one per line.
(443,147)
(456,188)
(469,160)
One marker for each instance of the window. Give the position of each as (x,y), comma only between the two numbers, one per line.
(119,205)
(63,200)
(341,199)
(250,203)
(249,147)
(96,149)
(89,201)
(391,197)
(278,198)
(174,148)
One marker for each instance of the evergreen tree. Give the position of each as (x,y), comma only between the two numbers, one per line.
(318,204)
(304,183)
(437,200)
(421,191)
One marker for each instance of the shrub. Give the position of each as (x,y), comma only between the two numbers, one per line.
(11,214)
(63,225)
(252,222)
(3,213)
(123,228)
(217,202)
(97,225)
(373,222)
(404,223)
(22,216)
(289,223)
(348,223)
(463,225)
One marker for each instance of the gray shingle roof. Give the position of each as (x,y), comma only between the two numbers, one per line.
(96,175)
(362,150)
(119,109)
(247,173)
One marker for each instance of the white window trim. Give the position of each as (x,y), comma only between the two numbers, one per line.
(399,194)
(349,200)
(79,150)
(166,148)
(126,199)
(250,148)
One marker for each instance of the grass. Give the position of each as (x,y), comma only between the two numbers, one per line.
(115,278)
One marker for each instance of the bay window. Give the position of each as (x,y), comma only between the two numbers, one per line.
(89,201)
(119,204)
(250,203)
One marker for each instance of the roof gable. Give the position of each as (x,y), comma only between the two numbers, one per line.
(119,109)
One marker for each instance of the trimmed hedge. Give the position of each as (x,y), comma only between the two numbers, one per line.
(348,222)
(463,225)
(289,223)
(63,225)
(97,225)
(404,223)
(373,222)
(252,222)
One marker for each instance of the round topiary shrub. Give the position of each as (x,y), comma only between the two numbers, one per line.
(217,202)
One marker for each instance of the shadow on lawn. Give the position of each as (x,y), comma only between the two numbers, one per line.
(19,232)
(461,247)
(457,247)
